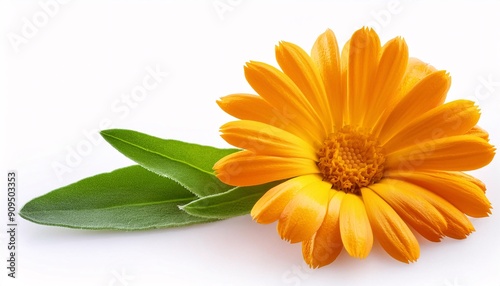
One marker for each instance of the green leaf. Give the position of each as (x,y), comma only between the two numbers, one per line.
(235,202)
(188,164)
(130,198)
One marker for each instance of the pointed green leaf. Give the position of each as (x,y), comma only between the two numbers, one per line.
(130,198)
(188,164)
(235,202)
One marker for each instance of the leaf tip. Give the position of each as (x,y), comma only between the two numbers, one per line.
(106,132)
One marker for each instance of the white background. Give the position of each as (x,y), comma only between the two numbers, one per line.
(70,73)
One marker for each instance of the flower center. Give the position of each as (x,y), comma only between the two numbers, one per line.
(351,159)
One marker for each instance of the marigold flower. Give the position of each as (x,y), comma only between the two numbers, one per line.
(368,146)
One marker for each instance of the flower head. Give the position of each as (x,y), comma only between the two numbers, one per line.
(369,148)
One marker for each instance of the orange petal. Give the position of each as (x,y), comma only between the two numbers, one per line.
(325,54)
(355,229)
(363,59)
(389,229)
(456,153)
(304,214)
(269,207)
(479,132)
(245,168)
(457,224)
(282,93)
(255,108)
(416,70)
(463,191)
(326,244)
(246,106)
(299,67)
(412,208)
(471,179)
(344,64)
(452,118)
(428,93)
(391,68)
(264,139)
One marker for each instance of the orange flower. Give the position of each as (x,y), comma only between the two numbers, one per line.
(368,146)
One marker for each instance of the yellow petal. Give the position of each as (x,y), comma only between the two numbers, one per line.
(363,59)
(479,132)
(245,168)
(458,225)
(391,68)
(326,244)
(282,93)
(463,191)
(456,153)
(264,139)
(269,207)
(299,67)
(325,54)
(412,208)
(428,93)
(389,229)
(452,118)
(304,214)
(355,229)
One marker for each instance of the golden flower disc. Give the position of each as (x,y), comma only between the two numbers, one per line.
(351,159)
